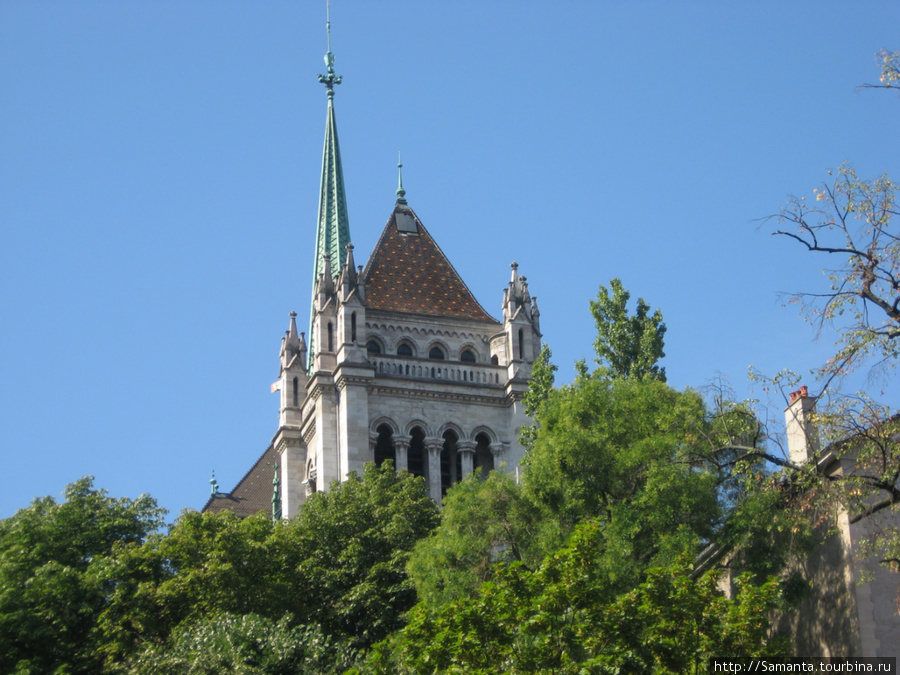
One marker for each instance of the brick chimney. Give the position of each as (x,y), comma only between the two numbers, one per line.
(802,439)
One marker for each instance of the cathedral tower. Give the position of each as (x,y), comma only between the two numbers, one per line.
(401,363)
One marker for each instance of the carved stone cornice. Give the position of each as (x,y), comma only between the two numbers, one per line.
(309,433)
(343,381)
(498,401)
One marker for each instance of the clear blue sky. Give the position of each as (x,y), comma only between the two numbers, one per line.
(159,169)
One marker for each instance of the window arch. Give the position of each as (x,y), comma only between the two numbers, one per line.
(451,462)
(467,356)
(415,456)
(404,349)
(484,458)
(384,445)
(372,347)
(436,353)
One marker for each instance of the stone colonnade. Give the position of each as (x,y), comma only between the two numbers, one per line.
(434,446)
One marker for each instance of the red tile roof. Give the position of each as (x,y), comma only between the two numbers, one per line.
(407,272)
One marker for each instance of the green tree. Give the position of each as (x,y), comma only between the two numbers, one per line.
(243,644)
(50,597)
(350,547)
(339,565)
(208,564)
(561,618)
(543,376)
(607,446)
(627,345)
(483,523)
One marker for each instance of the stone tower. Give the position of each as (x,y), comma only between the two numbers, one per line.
(401,361)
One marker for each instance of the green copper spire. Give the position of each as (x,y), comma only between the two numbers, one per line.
(333,229)
(401,193)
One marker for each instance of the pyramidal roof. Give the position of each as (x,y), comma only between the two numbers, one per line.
(408,273)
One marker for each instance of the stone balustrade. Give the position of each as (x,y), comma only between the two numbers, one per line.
(428,369)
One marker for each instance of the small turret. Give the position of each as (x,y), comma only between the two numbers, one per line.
(521,327)
(349,276)
(292,345)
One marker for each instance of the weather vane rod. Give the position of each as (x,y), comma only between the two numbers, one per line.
(330,79)
(401,193)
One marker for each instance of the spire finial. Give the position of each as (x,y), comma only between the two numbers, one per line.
(330,79)
(213,485)
(401,193)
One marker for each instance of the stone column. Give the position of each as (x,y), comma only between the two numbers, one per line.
(292,458)
(466,450)
(498,450)
(434,447)
(401,447)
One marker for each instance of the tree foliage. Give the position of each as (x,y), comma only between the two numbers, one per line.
(627,345)
(88,584)
(562,618)
(351,546)
(543,376)
(483,522)
(244,644)
(889,65)
(852,221)
(625,451)
(51,596)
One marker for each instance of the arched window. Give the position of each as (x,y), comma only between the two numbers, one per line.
(384,446)
(521,344)
(451,467)
(353,327)
(468,356)
(404,350)
(296,393)
(415,456)
(484,459)
(373,347)
(494,360)
(330,337)
(436,353)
